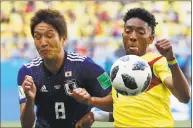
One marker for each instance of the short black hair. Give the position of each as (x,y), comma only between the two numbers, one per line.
(52,17)
(142,14)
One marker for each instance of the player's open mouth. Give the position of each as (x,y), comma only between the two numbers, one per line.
(133,48)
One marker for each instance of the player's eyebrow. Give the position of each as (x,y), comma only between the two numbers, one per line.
(138,27)
(50,30)
(128,26)
(38,31)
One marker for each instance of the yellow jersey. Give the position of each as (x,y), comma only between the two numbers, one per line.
(151,108)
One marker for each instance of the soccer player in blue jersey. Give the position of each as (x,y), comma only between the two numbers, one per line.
(64,86)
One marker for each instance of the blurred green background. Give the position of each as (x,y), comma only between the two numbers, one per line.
(182,124)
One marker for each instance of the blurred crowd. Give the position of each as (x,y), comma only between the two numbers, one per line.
(95,28)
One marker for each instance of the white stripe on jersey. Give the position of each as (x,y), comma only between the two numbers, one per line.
(75,57)
(76,54)
(36,59)
(72,59)
(35,62)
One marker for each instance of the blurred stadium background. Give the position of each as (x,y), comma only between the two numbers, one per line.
(94,29)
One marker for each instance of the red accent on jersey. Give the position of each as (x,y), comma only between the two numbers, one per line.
(155,80)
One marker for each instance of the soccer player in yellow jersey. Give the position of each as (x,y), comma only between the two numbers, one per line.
(151,108)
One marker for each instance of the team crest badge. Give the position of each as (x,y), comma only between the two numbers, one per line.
(69,85)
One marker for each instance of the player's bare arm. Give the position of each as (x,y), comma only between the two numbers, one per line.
(104,103)
(82,96)
(177,84)
(27,109)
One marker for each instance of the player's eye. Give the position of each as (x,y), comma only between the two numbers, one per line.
(128,30)
(50,35)
(141,32)
(37,36)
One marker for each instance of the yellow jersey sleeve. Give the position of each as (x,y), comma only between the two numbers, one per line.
(161,70)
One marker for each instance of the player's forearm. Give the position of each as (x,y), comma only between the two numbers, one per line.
(104,103)
(27,115)
(180,84)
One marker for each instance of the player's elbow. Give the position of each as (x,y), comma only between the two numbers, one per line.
(185,99)
(26,124)
(182,96)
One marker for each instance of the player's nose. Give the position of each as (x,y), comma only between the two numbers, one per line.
(43,42)
(133,37)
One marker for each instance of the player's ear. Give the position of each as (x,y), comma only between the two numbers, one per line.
(63,41)
(122,34)
(151,38)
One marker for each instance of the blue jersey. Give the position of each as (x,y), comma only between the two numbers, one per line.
(55,108)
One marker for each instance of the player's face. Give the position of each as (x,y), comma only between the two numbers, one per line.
(47,41)
(136,36)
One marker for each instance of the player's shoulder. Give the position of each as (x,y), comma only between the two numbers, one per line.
(76,57)
(152,56)
(156,59)
(33,63)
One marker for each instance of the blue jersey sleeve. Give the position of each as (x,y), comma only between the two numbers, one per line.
(96,80)
(23,71)
(20,78)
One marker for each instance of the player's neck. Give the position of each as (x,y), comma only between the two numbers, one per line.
(53,65)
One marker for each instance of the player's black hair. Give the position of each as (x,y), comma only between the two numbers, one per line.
(142,14)
(52,17)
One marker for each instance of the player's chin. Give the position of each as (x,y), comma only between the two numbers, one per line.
(46,57)
(128,52)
